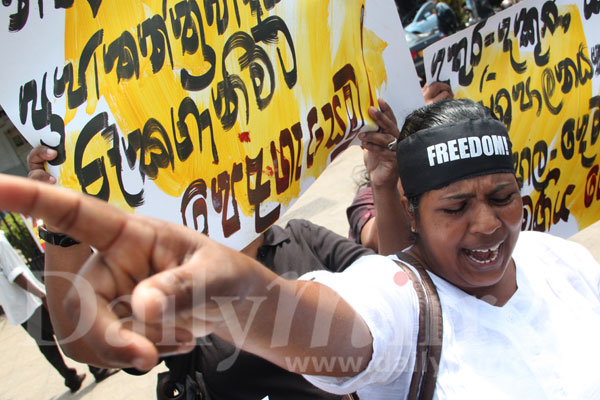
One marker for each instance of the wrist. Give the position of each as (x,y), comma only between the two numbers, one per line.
(55,238)
(388,187)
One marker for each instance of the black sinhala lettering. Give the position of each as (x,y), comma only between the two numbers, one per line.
(77,97)
(567,139)
(292,168)
(281,165)
(548,88)
(592,186)
(266,31)
(335,138)
(195,195)
(221,187)
(192,36)
(528,24)
(527,222)
(504,37)
(581,130)
(206,123)
(522,92)
(124,52)
(595,55)
(551,20)
(318,135)
(522,173)
(548,212)
(256,60)
(595,110)
(111,133)
(232,225)
(590,8)
(94,5)
(566,73)
(457,54)
(503,112)
(217,9)
(259,193)
(156,29)
(40,117)
(17,21)
(345,80)
(225,102)
(540,154)
(158,149)
(437,62)
(297,134)
(96,169)
(584,73)
(184,147)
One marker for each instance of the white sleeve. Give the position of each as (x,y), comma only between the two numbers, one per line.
(380,292)
(11,264)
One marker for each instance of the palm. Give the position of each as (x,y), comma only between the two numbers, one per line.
(381,166)
(379,160)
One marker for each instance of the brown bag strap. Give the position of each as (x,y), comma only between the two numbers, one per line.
(429,339)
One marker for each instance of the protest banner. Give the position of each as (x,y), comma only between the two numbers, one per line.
(215,114)
(536,66)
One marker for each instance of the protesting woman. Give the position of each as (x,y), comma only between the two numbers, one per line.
(521,311)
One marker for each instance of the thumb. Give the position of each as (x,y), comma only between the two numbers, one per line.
(179,297)
(168,293)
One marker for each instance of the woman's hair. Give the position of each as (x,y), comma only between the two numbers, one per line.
(440,113)
(443,112)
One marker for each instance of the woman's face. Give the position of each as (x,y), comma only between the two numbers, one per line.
(467,231)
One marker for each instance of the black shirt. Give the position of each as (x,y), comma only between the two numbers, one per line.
(299,248)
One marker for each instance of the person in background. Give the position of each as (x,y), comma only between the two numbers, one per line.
(361,213)
(292,251)
(23,299)
(447,21)
(481,9)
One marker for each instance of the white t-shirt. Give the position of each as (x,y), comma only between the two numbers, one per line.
(18,304)
(544,343)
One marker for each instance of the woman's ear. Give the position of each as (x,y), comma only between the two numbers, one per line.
(410,213)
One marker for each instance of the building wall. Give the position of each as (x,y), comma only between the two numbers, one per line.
(13,148)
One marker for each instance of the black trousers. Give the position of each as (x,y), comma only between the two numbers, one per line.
(39,327)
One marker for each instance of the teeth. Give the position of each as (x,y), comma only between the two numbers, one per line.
(484,256)
(486,250)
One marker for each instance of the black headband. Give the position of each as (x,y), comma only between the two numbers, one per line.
(436,157)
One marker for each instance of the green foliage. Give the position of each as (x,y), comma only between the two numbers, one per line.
(18,235)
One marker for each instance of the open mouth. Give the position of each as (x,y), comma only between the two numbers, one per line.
(484,256)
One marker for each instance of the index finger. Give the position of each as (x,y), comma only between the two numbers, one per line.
(82,217)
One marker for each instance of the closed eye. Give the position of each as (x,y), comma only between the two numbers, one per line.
(455,210)
(503,200)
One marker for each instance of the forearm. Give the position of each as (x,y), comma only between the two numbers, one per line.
(25,284)
(298,325)
(369,237)
(61,267)
(392,222)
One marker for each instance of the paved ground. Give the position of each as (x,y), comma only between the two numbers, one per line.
(25,374)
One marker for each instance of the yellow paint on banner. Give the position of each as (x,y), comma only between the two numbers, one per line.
(145,105)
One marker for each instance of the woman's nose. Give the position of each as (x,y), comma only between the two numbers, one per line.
(485,220)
